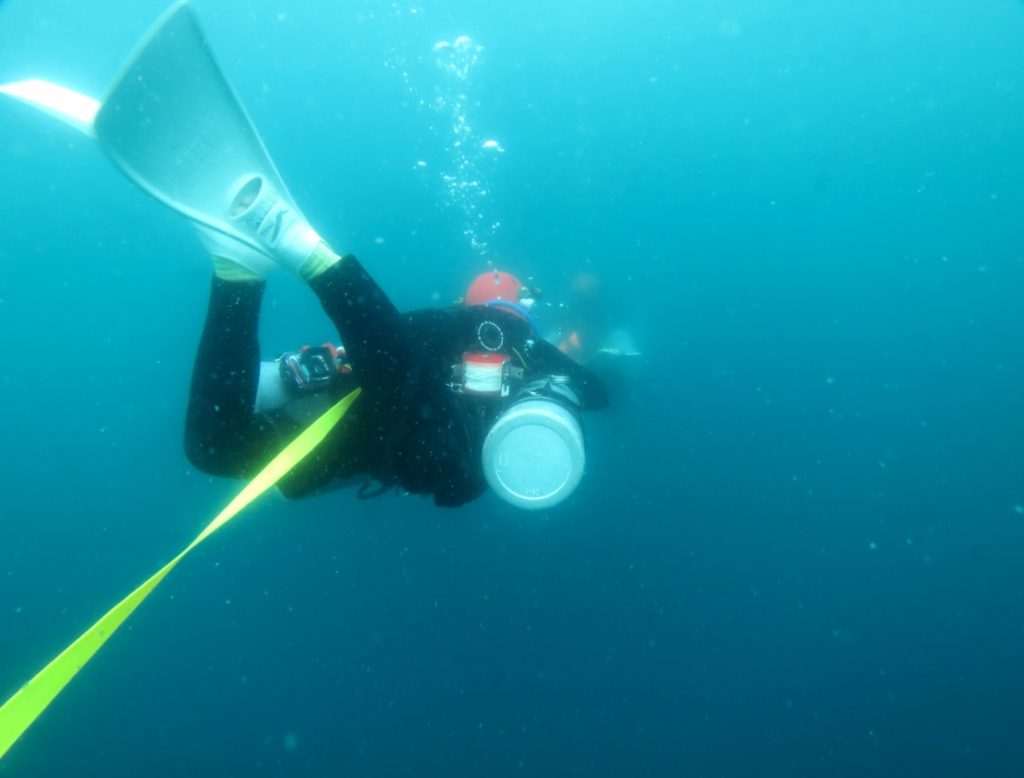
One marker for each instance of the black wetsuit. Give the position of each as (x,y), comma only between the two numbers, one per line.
(408,428)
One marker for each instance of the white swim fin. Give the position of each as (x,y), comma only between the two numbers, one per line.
(72,108)
(619,343)
(174,126)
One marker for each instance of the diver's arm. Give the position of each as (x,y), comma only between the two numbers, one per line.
(588,387)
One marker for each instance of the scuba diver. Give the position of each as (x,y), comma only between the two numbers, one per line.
(592,331)
(453,401)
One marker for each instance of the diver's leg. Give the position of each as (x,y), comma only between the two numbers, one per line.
(223,434)
(370,327)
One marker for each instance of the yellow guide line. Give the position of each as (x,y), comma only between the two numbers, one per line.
(18,713)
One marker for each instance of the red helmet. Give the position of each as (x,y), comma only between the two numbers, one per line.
(493,285)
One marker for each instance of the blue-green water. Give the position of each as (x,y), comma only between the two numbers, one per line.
(798,548)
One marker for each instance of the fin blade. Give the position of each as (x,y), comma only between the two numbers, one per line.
(73,108)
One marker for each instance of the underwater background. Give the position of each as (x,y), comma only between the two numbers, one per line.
(797,550)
